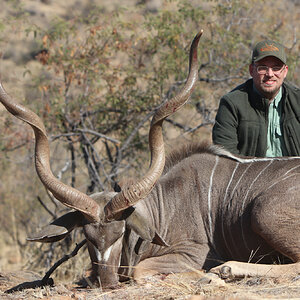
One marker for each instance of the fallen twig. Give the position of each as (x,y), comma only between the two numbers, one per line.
(62,260)
(46,281)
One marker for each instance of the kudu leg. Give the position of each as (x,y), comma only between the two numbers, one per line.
(236,269)
(186,261)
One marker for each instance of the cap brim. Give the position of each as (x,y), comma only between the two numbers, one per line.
(266,55)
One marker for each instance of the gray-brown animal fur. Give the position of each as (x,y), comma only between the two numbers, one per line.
(207,207)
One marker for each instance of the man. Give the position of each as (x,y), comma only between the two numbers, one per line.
(261,117)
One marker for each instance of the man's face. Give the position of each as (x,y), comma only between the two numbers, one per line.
(268,75)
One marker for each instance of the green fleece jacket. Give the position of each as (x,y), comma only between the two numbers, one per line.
(242,121)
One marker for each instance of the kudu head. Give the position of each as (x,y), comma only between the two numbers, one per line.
(103,216)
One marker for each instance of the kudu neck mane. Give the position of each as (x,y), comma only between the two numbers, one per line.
(184,151)
(189,149)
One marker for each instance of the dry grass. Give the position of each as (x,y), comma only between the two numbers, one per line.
(169,287)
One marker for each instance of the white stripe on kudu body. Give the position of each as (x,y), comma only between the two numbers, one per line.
(284,177)
(245,197)
(209,199)
(229,206)
(230,190)
(224,201)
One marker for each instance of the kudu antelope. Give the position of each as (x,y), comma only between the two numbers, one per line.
(203,206)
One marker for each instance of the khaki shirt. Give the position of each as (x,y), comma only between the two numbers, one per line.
(275,142)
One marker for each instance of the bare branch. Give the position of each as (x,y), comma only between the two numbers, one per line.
(63,170)
(92,170)
(78,132)
(130,138)
(45,207)
(70,134)
(199,126)
(188,129)
(179,125)
(52,198)
(46,279)
(99,135)
(73,162)
(65,258)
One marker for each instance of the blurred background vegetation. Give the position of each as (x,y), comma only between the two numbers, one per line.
(94,71)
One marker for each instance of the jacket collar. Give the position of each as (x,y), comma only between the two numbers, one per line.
(256,99)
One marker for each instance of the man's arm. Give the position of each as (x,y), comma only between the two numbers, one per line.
(224,132)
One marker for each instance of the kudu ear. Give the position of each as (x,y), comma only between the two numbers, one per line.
(141,226)
(59,228)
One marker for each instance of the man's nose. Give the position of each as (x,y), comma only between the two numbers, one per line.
(270,71)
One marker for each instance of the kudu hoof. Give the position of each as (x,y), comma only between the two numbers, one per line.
(225,273)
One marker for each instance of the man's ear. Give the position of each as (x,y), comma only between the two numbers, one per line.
(251,69)
(286,71)
(59,228)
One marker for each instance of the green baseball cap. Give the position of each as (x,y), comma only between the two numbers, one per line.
(268,48)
